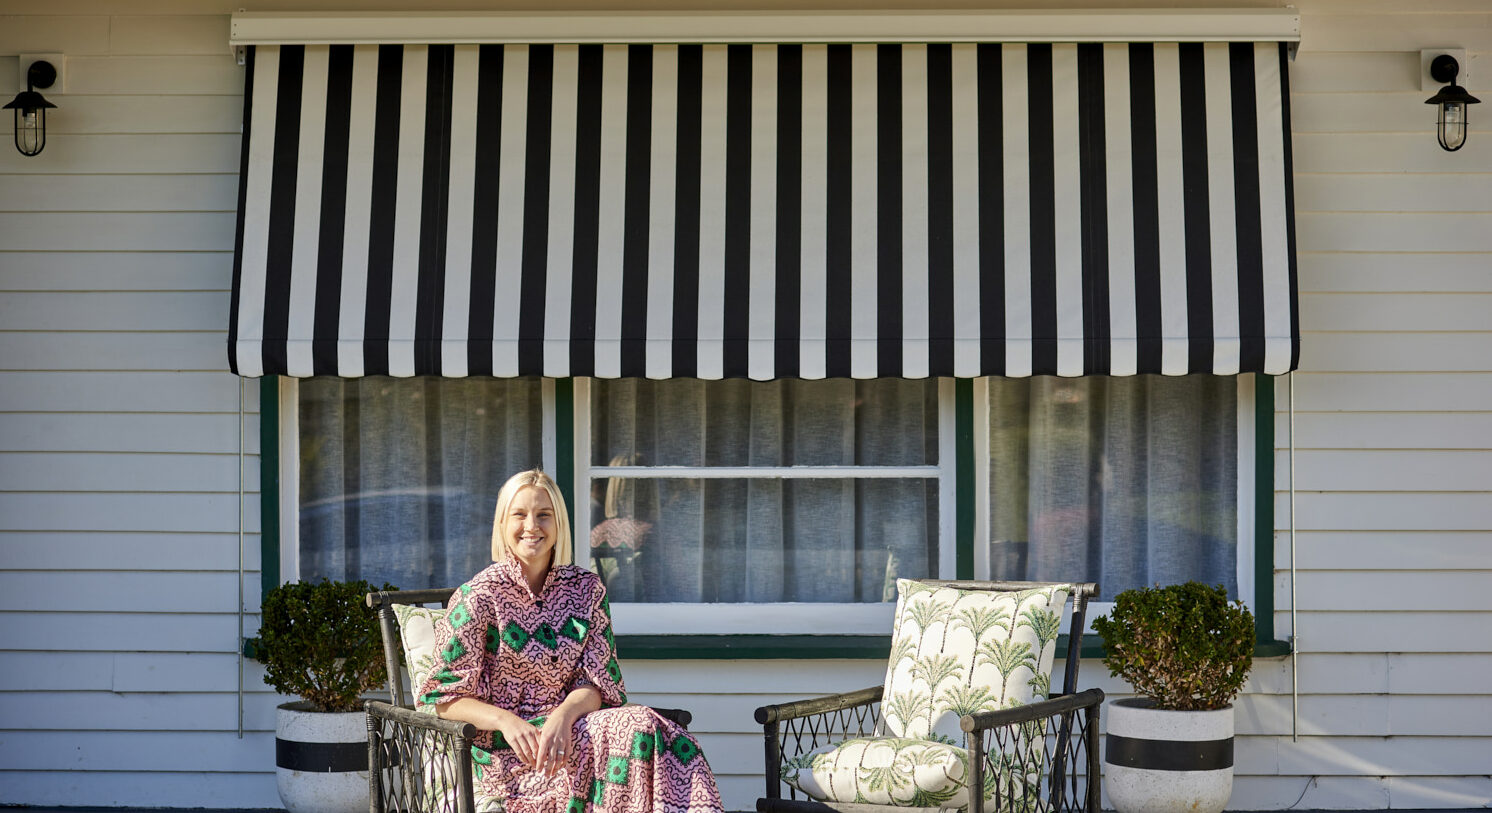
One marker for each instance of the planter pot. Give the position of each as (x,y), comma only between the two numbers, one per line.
(321,759)
(1157,761)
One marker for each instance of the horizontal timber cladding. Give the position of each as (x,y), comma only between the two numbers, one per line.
(765,211)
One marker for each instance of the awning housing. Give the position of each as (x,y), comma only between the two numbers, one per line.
(713,26)
(766,211)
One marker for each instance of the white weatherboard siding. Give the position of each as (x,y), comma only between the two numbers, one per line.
(118,435)
(1393,462)
(119,423)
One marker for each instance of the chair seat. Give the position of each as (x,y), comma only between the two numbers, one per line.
(898,771)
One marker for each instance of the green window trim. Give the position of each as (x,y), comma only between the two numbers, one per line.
(564,439)
(963,479)
(813,647)
(1263,607)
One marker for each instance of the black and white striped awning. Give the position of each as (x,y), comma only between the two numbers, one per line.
(765,211)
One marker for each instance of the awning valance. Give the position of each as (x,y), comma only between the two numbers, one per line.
(765,211)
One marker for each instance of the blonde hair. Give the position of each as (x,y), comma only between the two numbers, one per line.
(523,479)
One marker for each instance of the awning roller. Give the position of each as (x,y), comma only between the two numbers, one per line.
(765,27)
(765,211)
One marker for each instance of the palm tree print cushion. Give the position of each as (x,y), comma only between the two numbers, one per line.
(957,652)
(417,636)
(915,773)
(883,771)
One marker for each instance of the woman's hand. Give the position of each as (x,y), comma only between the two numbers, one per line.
(555,740)
(544,749)
(522,737)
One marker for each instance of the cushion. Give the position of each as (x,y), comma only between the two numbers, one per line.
(911,773)
(883,771)
(417,636)
(957,652)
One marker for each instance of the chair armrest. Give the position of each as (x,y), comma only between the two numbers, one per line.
(418,761)
(791,729)
(1030,712)
(419,719)
(680,716)
(817,705)
(1042,754)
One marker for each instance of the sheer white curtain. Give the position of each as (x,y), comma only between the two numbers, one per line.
(763,539)
(398,477)
(1123,481)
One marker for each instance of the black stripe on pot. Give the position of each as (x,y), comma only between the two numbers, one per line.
(321,757)
(1169,755)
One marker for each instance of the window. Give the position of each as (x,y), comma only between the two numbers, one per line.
(396,477)
(714,504)
(723,507)
(1126,482)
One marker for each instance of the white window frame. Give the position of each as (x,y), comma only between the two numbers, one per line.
(290,466)
(1245,487)
(687,618)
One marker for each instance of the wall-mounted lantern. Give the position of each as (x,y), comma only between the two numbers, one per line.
(31,108)
(1450,126)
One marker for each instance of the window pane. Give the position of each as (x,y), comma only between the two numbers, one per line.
(1122,481)
(836,422)
(762,540)
(398,477)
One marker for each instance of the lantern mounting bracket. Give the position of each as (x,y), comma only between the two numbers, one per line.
(59,66)
(1427,81)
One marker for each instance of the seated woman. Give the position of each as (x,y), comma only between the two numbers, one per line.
(528,657)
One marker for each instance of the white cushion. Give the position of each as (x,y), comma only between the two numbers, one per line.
(957,652)
(883,771)
(417,636)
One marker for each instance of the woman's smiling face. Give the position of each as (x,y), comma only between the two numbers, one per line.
(530,527)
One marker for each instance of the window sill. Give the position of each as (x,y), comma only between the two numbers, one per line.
(817,647)
(752,647)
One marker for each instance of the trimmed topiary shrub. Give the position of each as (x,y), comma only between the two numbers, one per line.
(1185,646)
(321,641)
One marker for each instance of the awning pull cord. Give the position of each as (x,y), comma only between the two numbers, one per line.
(238,632)
(1294,618)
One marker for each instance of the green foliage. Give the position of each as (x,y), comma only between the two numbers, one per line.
(321,641)
(1185,646)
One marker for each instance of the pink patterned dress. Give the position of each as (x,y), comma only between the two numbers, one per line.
(504,645)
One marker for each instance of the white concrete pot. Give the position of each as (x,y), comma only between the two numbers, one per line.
(321,759)
(1158,761)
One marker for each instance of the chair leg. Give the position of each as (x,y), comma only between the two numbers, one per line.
(1058,778)
(1094,780)
(375,789)
(976,772)
(774,760)
(466,802)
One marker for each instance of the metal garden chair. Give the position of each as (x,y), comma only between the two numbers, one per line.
(1055,739)
(416,760)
